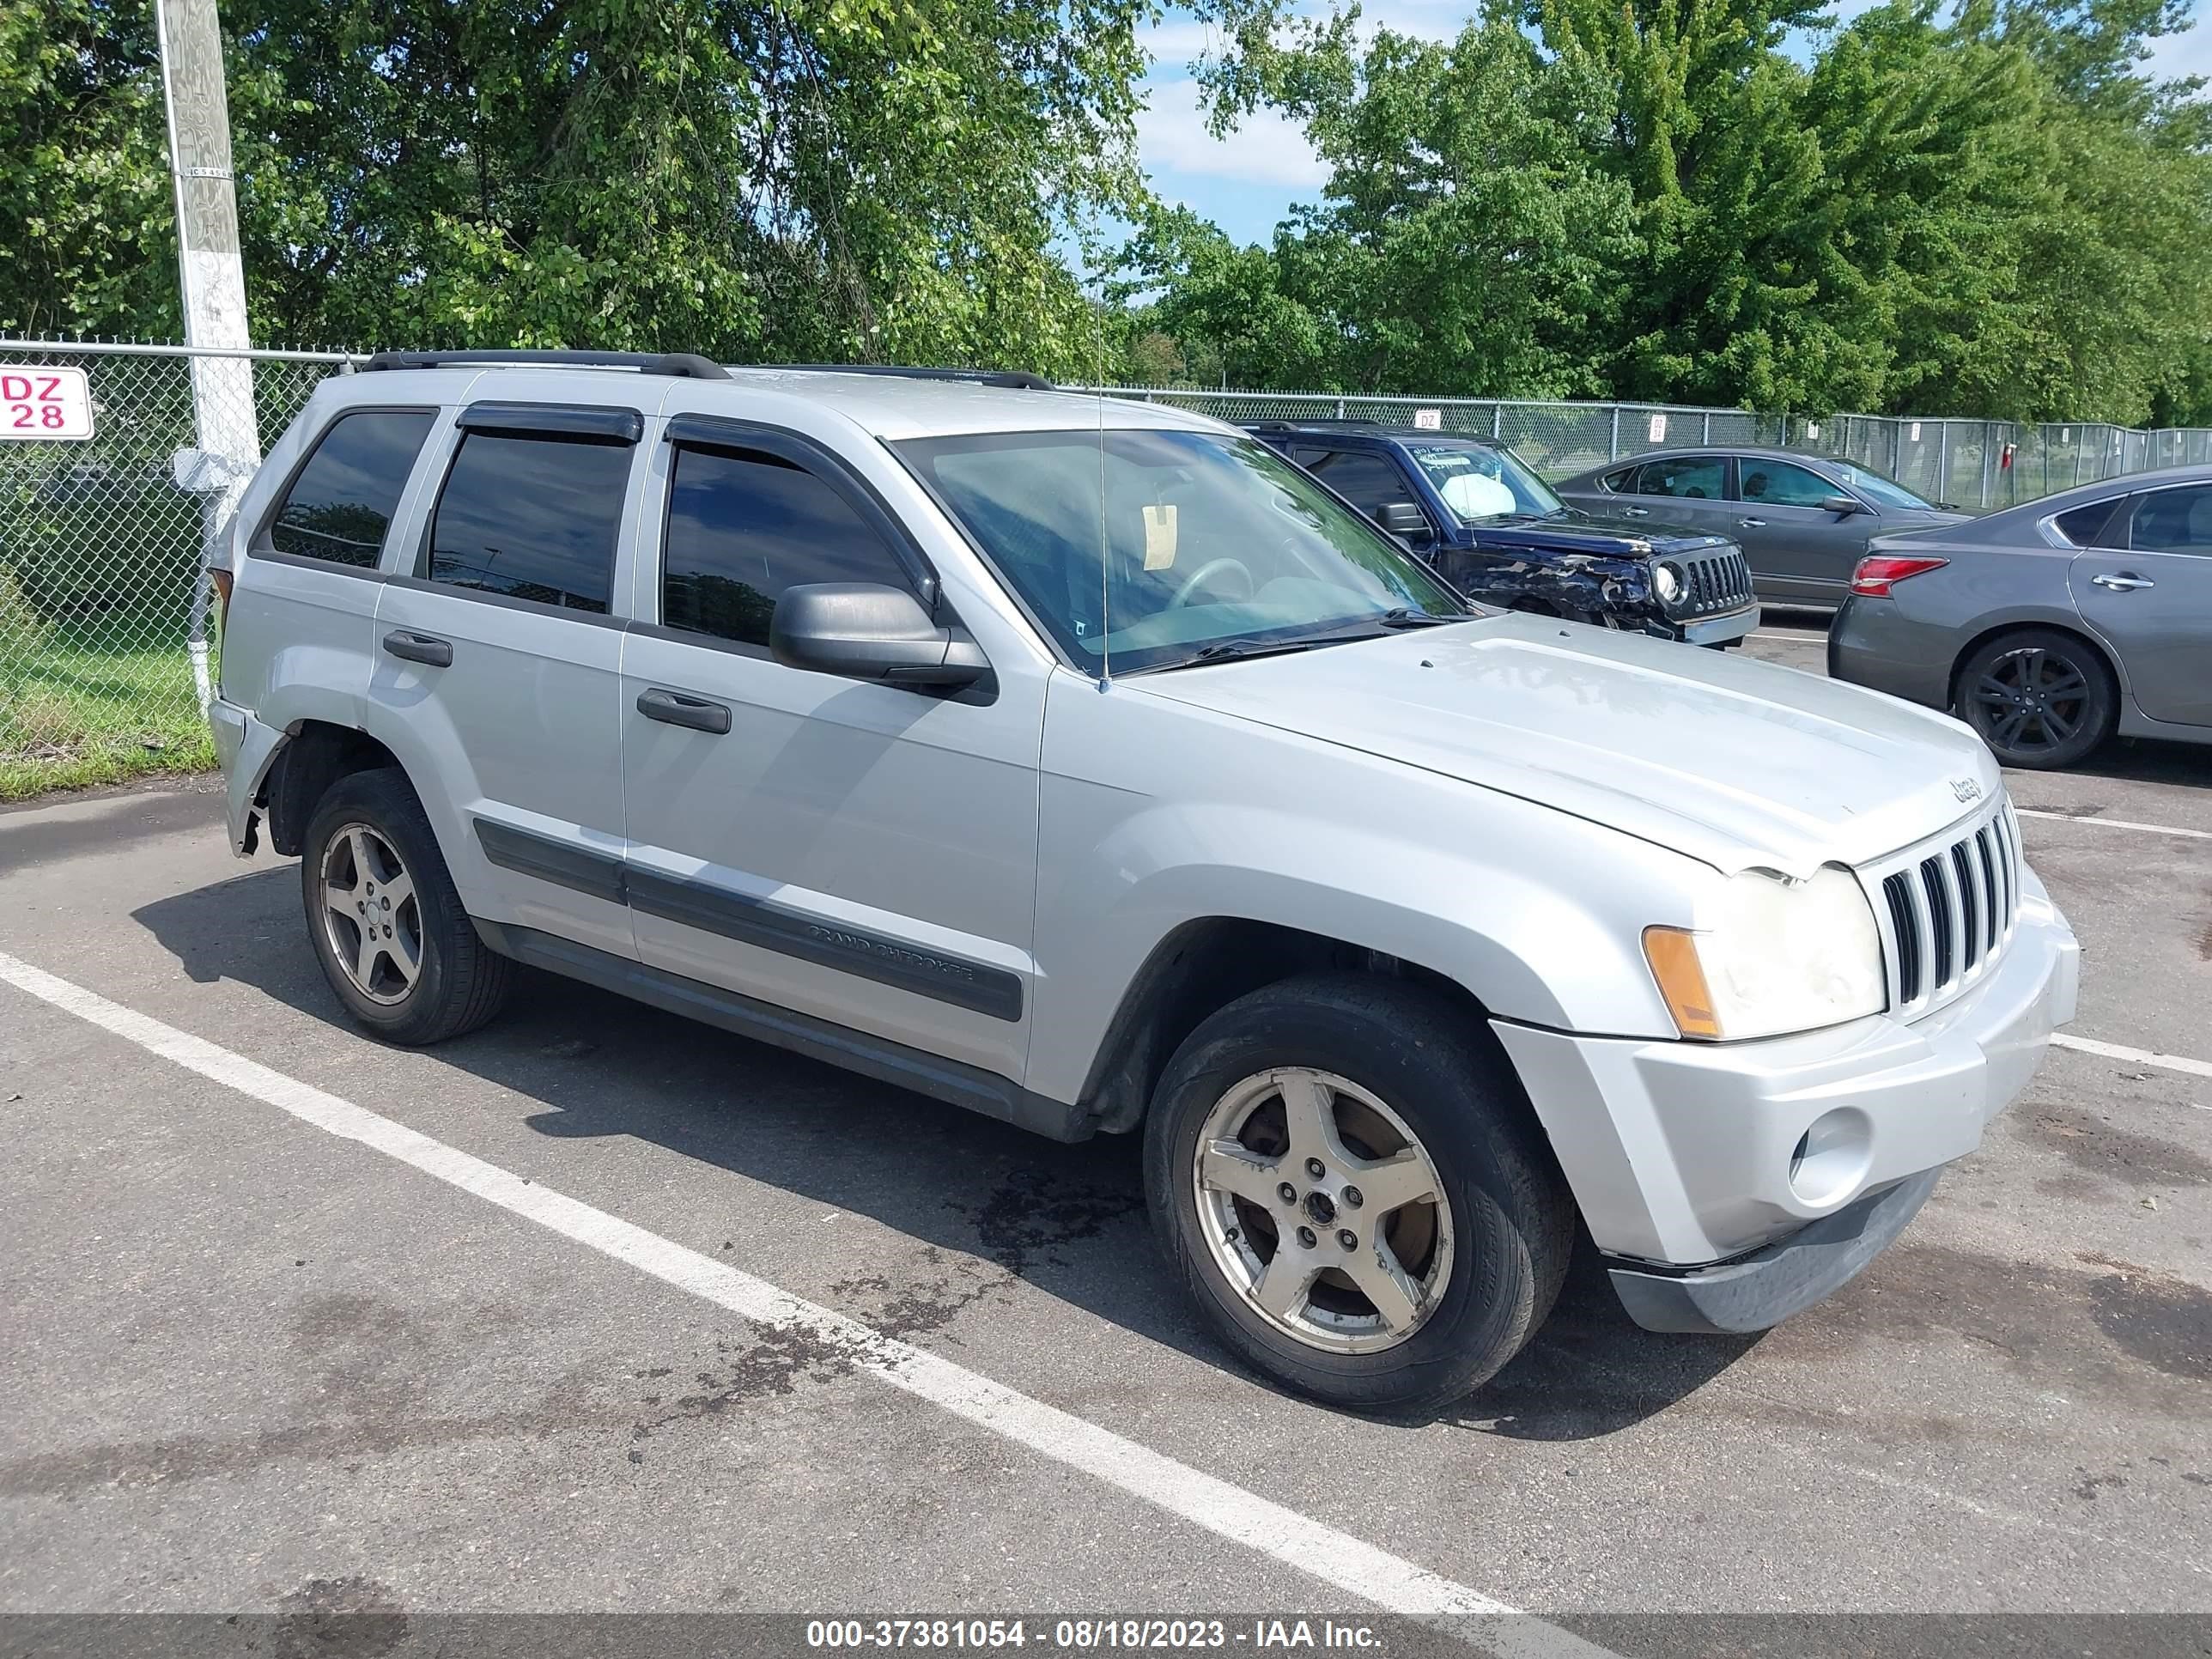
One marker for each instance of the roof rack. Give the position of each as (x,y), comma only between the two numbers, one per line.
(685,364)
(1285,422)
(1018,380)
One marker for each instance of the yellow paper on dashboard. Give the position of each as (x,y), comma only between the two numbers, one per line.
(1159,537)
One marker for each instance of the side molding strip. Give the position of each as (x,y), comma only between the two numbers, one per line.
(948,1080)
(974,986)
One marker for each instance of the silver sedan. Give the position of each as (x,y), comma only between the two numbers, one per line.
(2050,626)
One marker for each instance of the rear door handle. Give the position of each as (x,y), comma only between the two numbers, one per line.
(1636,511)
(420,647)
(2124,583)
(1752,524)
(675,709)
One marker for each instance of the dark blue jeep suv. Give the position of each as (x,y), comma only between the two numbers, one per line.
(1495,531)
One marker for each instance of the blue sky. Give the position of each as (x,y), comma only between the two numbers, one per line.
(1247,182)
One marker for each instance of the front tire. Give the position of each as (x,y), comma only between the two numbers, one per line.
(386,923)
(1349,1183)
(2039,698)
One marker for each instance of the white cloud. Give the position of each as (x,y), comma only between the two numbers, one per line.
(1265,149)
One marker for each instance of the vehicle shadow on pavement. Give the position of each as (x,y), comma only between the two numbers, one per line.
(985,1202)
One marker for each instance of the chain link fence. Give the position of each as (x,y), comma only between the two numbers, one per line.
(1979,465)
(101,547)
(103,647)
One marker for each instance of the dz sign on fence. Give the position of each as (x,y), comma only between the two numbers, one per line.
(44,403)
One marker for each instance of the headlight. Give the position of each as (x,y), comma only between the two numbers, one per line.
(1669,582)
(1773,956)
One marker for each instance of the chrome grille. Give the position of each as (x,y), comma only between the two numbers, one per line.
(1712,581)
(1946,911)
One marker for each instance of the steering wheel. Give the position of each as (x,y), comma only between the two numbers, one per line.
(1204,574)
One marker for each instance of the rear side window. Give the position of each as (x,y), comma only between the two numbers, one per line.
(340,505)
(1698,479)
(2174,520)
(531,519)
(743,528)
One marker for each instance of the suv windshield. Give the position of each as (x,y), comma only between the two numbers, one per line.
(1477,481)
(1152,549)
(1887,491)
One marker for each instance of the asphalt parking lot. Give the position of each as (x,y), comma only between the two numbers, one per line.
(264,1356)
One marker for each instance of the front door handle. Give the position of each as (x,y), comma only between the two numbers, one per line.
(419,647)
(1752,524)
(2125,582)
(677,709)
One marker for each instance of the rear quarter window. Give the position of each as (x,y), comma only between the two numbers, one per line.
(338,508)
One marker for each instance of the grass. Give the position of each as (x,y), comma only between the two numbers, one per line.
(95,700)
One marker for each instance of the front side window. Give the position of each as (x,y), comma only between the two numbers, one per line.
(339,508)
(1697,478)
(2174,520)
(1777,483)
(1147,549)
(1369,482)
(743,528)
(1478,482)
(531,517)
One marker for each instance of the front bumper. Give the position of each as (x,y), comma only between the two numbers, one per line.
(1682,1155)
(1725,630)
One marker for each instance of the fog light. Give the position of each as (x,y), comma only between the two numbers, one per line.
(1832,1157)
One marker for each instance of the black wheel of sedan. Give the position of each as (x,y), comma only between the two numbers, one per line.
(1353,1188)
(2039,698)
(386,923)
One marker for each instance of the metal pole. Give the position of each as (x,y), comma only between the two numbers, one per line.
(1612,445)
(1942,459)
(211,276)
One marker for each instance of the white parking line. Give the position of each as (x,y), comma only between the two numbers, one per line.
(1336,1558)
(2114,824)
(1810,637)
(2138,1057)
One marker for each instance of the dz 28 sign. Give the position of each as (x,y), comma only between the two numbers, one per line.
(44,403)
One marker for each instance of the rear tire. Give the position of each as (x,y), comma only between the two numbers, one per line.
(1461,1231)
(2039,698)
(386,921)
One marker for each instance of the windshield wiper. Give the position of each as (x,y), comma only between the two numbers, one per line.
(1404,615)
(1223,650)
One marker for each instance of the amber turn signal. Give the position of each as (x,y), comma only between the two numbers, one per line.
(1673,954)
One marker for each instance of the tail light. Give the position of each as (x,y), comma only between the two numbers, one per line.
(1878,573)
(221,578)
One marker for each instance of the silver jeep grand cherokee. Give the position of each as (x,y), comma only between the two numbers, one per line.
(1091,766)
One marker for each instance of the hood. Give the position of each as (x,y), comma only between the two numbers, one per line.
(1741,763)
(1577,531)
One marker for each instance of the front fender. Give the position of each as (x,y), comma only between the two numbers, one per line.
(1538,915)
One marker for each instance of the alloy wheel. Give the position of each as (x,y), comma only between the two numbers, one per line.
(2030,700)
(1322,1209)
(370,916)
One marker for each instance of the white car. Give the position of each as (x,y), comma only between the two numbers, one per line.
(1090,765)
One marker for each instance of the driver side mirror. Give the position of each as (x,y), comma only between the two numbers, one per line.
(1403,519)
(862,631)
(1846,504)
